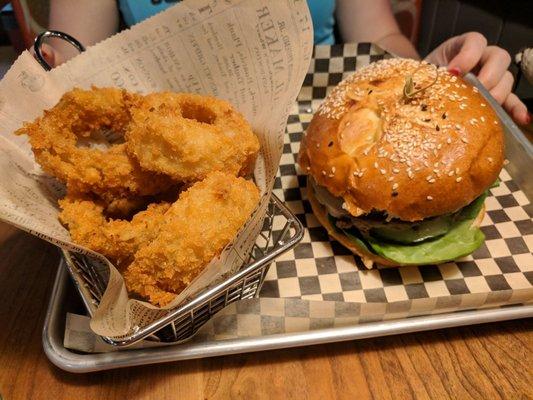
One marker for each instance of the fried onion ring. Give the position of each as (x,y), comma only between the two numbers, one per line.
(197,227)
(116,239)
(187,136)
(77,116)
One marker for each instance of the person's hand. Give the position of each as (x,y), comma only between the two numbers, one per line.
(469,52)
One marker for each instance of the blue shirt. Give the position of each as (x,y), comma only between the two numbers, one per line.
(322,13)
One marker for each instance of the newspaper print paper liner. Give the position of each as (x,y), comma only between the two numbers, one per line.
(320,284)
(195,46)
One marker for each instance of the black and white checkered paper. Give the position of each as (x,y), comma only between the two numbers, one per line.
(320,284)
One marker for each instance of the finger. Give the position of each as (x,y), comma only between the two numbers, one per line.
(466,52)
(48,52)
(494,62)
(49,55)
(503,88)
(516,109)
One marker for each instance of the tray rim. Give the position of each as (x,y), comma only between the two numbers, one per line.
(70,361)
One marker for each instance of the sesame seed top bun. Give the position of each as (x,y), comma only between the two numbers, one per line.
(413,157)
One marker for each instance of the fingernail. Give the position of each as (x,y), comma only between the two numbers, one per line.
(455,71)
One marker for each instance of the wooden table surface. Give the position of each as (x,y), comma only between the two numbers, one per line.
(482,362)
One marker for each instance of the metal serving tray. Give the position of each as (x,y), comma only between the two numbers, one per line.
(520,154)
(63,293)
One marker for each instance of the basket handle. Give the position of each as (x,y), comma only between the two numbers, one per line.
(39,40)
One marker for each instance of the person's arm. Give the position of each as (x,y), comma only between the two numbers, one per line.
(372,21)
(88,21)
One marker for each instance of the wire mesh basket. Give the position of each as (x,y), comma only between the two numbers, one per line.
(281,231)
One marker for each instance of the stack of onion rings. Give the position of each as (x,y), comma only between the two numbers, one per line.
(120,198)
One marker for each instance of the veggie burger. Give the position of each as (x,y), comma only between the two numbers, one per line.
(399,159)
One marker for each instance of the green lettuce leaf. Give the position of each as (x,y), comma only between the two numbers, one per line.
(460,241)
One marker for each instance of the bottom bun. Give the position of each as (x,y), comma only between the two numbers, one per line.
(368,258)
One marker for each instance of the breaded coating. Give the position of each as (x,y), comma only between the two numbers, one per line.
(117,239)
(187,136)
(198,226)
(80,116)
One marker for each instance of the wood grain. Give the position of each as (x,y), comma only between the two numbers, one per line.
(491,361)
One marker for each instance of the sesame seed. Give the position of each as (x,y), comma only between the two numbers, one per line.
(429,198)
(483,105)
(395,186)
(390,179)
(458,179)
(449,140)
(475,89)
(395,170)
(457,126)
(451,173)
(308,168)
(482,119)
(323,172)
(457,171)
(376,165)
(333,169)
(489,159)
(495,122)
(331,175)
(317,145)
(464,140)
(382,171)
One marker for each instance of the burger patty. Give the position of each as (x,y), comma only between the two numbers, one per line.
(379,226)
